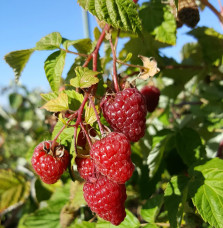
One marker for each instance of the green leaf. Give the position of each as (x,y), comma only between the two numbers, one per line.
(189,146)
(129,221)
(14,190)
(192,54)
(49,96)
(82,45)
(158,20)
(156,154)
(151,226)
(145,46)
(58,104)
(90,116)
(48,216)
(118,13)
(211,43)
(15,100)
(77,196)
(65,136)
(206,189)
(175,193)
(151,209)
(17,60)
(166,32)
(74,98)
(53,66)
(128,57)
(85,78)
(50,42)
(82,224)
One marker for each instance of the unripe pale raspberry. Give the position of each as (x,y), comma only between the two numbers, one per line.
(126,111)
(111,157)
(48,165)
(151,94)
(85,167)
(106,198)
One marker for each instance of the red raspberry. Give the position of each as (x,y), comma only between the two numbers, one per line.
(106,198)
(126,113)
(48,166)
(111,156)
(85,167)
(152,94)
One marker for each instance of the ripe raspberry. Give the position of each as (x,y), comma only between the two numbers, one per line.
(106,198)
(85,167)
(48,166)
(126,113)
(111,156)
(152,94)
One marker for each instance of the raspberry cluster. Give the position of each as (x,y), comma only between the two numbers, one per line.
(108,165)
(106,172)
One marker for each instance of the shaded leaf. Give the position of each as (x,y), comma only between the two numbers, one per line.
(15,100)
(175,194)
(82,45)
(156,154)
(65,136)
(58,104)
(53,66)
(151,209)
(14,190)
(17,60)
(48,216)
(50,42)
(211,43)
(189,146)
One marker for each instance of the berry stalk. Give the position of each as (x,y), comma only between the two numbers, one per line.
(115,77)
(97,116)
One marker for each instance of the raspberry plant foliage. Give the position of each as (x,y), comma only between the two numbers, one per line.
(155,168)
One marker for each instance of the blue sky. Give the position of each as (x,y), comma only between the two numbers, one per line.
(24,22)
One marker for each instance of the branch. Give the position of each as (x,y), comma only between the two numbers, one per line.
(97,116)
(213,9)
(75,53)
(115,77)
(86,134)
(61,130)
(188,103)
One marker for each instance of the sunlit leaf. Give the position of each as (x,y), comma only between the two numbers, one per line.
(53,66)
(207,191)
(118,13)
(50,42)
(17,60)
(58,104)
(85,78)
